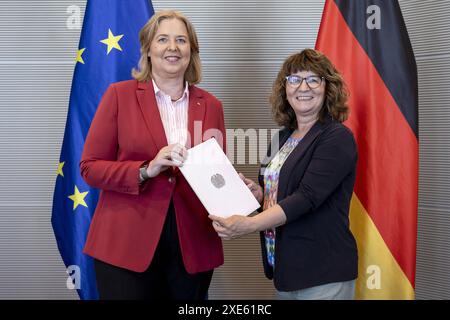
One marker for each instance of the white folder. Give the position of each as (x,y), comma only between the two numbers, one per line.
(216,183)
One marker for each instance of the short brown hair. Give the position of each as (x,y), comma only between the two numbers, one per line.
(193,72)
(336,94)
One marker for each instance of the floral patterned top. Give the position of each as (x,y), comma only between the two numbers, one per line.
(271,176)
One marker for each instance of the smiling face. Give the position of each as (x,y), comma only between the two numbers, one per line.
(170,50)
(304,101)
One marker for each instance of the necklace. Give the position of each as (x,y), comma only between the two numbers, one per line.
(173,100)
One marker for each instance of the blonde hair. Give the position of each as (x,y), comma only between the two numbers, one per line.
(336,94)
(193,72)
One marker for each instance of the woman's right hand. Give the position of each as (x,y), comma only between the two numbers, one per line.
(172,155)
(254,188)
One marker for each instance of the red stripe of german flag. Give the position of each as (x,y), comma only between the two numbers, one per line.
(383,119)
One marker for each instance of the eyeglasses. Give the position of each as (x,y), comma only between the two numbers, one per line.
(312,82)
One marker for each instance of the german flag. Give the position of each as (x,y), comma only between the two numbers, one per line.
(369,44)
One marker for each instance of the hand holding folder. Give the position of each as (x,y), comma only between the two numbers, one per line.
(215,181)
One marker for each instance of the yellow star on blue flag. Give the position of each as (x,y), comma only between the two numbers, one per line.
(79,57)
(112,41)
(59,171)
(78,198)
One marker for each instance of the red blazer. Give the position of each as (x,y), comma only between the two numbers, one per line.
(125,133)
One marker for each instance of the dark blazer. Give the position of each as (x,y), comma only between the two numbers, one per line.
(125,133)
(315,187)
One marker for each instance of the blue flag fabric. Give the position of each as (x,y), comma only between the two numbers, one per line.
(108,50)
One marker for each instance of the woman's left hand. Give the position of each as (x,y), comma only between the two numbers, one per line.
(232,227)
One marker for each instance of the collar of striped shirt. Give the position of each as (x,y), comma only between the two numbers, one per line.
(183,96)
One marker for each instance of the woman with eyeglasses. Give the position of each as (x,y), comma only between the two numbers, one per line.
(305,186)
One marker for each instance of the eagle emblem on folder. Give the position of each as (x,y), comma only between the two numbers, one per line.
(217,180)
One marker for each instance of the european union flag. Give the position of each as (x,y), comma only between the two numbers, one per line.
(108,50)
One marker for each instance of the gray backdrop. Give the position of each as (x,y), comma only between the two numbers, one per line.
(242,46)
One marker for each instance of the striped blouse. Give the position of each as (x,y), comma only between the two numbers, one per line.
(174,115)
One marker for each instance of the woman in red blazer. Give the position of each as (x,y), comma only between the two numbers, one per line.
(150,235)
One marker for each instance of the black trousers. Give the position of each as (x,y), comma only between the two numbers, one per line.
(165,278)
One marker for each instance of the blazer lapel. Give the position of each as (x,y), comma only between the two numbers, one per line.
(298,153)
(147,101)
(196,116)
(282,136)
